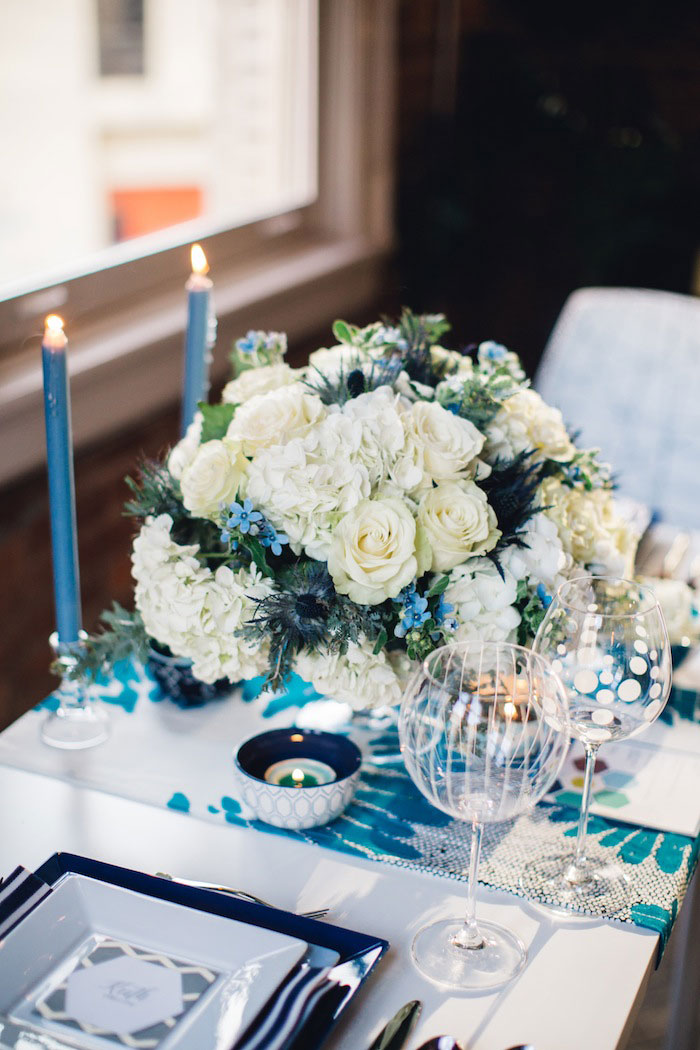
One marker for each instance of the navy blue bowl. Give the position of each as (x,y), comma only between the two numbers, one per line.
(292,807)
(260,752)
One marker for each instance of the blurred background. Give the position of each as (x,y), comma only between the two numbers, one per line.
(336,158)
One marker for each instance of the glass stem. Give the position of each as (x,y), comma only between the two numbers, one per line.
(581,836)
(469,936)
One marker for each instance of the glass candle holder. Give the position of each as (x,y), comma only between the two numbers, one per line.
(78,722)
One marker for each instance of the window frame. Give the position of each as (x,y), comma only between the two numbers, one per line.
(293,271)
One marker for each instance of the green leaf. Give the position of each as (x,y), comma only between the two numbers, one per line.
(257,553)
(381,641)
(216,420)
(439,586)
(343,332)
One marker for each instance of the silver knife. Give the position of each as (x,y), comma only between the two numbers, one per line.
(396,1032)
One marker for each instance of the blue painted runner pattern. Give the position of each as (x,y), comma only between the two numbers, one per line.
(390,821)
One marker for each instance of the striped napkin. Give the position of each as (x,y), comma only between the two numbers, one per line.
(20,892)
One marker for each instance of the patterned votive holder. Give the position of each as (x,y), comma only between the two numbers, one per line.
(297,778)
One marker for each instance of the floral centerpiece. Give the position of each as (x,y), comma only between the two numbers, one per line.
(344,519)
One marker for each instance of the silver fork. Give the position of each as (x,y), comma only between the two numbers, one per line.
(243,895)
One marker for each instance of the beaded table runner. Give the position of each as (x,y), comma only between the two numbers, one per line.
(182,759)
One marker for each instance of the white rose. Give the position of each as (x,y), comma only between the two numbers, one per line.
(451,362)
(412,390)
(256,381)
(186,449)
(273,418)
(526,422)
(331,361)
(459,523)
(676,599)
(448,444)
(373,551)
(213,477)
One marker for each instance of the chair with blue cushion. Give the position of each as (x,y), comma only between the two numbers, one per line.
(623,365)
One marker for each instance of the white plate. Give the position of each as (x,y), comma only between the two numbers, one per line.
(95,962)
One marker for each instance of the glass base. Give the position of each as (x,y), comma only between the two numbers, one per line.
(75,727)
(568,886)
(500,958)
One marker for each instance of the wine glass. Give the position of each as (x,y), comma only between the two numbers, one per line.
(484,732)
(606,638)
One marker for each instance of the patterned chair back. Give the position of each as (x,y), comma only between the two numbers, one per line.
(623,365)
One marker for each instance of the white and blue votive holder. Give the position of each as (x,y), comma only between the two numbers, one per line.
(294,808)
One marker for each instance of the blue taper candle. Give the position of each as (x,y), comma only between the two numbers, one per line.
(59,448)
(198,337)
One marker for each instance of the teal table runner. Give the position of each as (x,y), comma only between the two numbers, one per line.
(181,759)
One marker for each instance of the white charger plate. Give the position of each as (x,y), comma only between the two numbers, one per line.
(247,963)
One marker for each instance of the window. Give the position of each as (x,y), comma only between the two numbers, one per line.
(262,128)
(121,37)
(220,128)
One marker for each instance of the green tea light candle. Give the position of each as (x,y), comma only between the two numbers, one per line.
(299,773)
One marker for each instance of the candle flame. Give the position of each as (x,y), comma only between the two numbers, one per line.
(509,709)
(199,260)
(54,323)
(298,774)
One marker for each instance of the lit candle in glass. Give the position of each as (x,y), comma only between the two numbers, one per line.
(59,449)
(199,336)
(299,773)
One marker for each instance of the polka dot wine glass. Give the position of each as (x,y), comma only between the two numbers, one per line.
(484,731)
(607,640)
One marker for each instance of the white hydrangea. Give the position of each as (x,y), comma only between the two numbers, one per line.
(380,428)
(196,612)
(186,449)
(526,422)
(589,527)
(306,486)
(483,602)
(254,381)
(542,559)
(357,677)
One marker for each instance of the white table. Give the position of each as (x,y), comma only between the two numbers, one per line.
(580,990)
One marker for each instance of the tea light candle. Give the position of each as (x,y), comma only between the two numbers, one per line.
(299,773)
